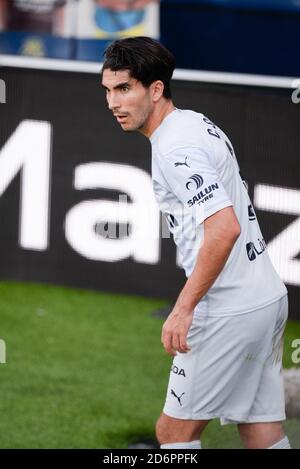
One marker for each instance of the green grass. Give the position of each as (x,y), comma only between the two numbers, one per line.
(86,369)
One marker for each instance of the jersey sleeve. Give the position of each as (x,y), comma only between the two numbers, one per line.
(192,176)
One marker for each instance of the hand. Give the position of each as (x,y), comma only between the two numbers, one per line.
(174,331)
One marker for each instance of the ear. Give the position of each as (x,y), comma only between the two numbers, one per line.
(157,88)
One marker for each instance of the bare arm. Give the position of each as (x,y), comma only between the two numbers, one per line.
(221,231)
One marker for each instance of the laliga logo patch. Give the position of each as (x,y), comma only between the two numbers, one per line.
(196,180)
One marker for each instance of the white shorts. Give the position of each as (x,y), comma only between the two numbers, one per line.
(233,370)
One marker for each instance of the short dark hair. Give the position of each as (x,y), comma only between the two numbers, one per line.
(146,59)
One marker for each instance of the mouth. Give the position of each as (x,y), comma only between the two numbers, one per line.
(120,117)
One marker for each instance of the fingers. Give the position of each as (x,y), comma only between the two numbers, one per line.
(183,345)
(167,343)
(174,343)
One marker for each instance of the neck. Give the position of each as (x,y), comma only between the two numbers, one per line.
(159,113)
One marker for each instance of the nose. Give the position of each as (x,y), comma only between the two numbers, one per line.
(112,102)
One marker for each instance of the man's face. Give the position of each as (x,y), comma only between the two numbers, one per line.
(127,98)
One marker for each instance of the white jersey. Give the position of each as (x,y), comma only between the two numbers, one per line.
(195,174)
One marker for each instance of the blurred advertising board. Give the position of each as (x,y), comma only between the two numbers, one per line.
(76,200)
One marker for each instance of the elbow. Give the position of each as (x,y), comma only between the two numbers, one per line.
(235,231)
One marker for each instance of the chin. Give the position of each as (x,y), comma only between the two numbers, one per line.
(128,128)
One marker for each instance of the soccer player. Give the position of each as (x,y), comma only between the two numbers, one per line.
(225,330)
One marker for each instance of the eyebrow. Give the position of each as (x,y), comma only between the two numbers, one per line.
(118,86)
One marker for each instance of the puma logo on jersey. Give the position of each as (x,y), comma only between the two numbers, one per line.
(177,397)
(182,164)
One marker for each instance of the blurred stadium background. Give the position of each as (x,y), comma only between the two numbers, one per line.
(81,362)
